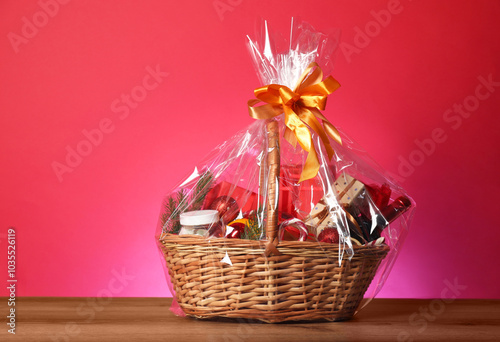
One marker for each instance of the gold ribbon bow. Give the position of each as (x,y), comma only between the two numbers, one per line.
(302,108)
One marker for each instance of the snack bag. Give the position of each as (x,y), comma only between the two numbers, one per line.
(288,219)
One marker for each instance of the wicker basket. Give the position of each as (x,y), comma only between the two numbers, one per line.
(269,280)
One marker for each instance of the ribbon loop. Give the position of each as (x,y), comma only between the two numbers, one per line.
(302,108)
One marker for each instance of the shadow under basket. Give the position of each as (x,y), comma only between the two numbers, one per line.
(233,278)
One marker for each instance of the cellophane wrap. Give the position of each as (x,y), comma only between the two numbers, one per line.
(350,201)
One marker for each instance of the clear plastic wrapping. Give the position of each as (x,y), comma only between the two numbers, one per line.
(289,183)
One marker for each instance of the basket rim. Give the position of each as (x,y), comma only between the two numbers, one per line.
(195,240)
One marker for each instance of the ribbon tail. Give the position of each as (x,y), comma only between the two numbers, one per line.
(329,128)
(304,138)
(311,167)
(266,111)
(325,87)
(290,137)
(332,132)
(308,115)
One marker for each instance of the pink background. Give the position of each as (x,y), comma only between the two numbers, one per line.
(398,85)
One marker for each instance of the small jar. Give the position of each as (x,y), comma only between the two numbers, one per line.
(199,222)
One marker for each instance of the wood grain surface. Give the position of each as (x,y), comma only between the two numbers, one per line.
(149,319)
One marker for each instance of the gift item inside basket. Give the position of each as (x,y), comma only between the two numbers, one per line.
(288,219)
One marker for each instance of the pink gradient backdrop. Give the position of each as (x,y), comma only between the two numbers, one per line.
(73,236)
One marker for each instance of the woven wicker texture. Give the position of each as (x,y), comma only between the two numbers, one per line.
(268,280)
(305,282)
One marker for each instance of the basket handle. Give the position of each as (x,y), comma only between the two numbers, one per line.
(273,160)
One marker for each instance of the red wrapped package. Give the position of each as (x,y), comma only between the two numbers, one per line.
(296,197)
(247,200)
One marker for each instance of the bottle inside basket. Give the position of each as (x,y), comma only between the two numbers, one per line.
(201,222)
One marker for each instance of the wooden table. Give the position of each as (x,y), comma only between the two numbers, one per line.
(149,319)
